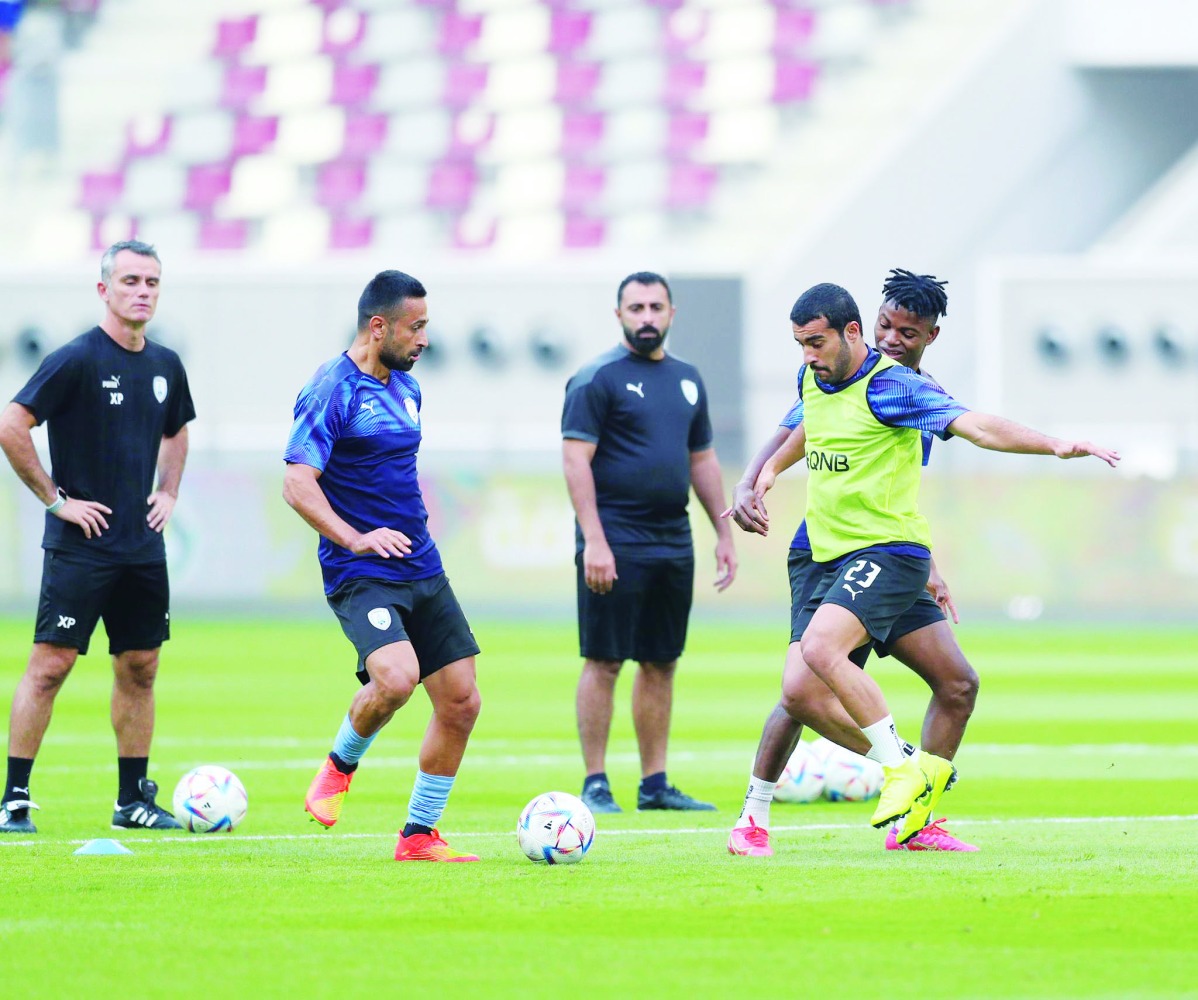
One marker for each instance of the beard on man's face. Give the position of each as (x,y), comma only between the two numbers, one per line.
(645,339)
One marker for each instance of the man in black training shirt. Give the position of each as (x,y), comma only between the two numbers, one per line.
(116,406)
(636,437)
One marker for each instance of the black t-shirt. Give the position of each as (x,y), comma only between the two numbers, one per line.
(645,419)
(107,410)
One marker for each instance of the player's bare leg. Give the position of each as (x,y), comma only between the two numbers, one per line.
(933,653)
(593,704)
(652,703)
(453,690)
(833,633)
(134,672)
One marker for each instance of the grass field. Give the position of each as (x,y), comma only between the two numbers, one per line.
(1079,781)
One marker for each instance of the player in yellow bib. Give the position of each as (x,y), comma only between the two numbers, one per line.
(864,416)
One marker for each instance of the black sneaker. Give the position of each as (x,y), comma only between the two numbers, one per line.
(596,796)
(14,816)
(670,798)
(144,813)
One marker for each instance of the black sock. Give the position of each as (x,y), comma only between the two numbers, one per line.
(17,785)
(130,770)
(653,783)
(341,766)
(599,777)
(411,828)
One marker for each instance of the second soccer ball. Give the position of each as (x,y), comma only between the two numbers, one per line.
(556,828)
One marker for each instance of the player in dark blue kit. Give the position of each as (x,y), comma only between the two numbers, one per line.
(637,437)
(351,474)
(116,408)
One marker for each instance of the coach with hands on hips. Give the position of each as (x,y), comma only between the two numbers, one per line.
(636,438)
(116,406)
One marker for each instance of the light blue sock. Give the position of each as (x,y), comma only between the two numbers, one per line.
(348,745)
(429,795)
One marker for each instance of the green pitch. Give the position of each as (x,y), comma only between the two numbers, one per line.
(1079,781)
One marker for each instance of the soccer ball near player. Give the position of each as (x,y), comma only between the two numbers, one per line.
(849,777)
(209,799)
(803,777)
(556,828)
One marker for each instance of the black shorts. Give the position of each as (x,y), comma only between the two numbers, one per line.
(921,614)
(645,614)
(134,601)
(805,574)
(877,585)
(376,613)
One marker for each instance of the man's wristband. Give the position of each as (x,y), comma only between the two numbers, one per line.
(59,502)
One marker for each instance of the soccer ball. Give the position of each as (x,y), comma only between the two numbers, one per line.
(803,777)
(209,798)
(556,828)
(849,777)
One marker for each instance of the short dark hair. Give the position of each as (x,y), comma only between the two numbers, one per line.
(831,302)
(921,294)
(644,278)
(384,294)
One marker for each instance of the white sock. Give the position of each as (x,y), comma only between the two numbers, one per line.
(884,740)
(757,803)
(909,750)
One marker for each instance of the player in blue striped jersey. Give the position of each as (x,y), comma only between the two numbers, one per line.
(351,474)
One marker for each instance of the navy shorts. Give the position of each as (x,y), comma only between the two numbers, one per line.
(645,614)
(877,585)
(376,613)
(921,614)
(805,574)
(134,601)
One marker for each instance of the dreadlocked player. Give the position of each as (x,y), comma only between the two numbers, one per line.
(921,639)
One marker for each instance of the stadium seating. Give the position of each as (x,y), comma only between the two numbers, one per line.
(508,121)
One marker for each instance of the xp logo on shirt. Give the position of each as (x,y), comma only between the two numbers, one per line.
(827,462)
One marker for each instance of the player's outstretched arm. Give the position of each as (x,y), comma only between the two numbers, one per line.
(172,455)
(1000,434)
(748,510)
(598,562)
(708,482)
(16,423)
(301,490)
(793,450)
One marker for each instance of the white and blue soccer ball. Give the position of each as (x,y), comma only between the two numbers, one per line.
(556,828)
(210,799)
(849,777)
(803,777)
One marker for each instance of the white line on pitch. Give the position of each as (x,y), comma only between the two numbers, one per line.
(682,831)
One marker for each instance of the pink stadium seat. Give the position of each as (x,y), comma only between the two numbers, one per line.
(354,85)
(233,37)
(99,192)
(691,185)
(794,79)
(471,133)
(471,236)
(686,131)
(576,81)
(793,28)
(108,229)
(458,32)
(343,30)
(451,185)
(223,234)
(582,232)
(365,133)
(463,83)
(684,80)
(253,134)
(141,138)
(340,183)
(582,132)
(583,186)
(206,184)
(568,30)
(242,84)
(350,234)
